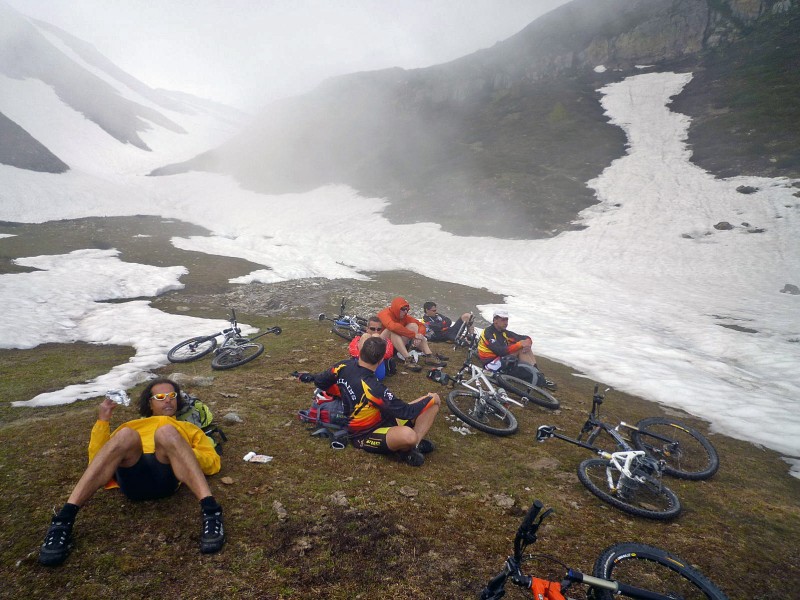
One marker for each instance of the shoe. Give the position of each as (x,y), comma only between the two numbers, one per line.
(442,357)
(213,534)
(550,385)
(414,368)
(432,361)
(426,446)
(414,458)
(57,543)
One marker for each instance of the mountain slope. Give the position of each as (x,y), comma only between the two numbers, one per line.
(501,141)
(74,103)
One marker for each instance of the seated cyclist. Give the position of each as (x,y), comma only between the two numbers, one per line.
(441,328)
(407,333)
(509,352)
(379,422)
(374,329)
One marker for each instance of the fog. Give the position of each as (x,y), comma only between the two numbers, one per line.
(246,53)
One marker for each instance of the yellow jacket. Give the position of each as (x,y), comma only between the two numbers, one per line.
(146,428)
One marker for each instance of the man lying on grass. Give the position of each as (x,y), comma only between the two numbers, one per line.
(379,422)
(147,459)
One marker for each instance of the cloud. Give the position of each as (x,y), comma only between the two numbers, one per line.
(246,52)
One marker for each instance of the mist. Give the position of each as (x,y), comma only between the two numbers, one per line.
(246,53)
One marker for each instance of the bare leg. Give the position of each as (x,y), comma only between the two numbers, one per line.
(123,450)
(525,355)
(172,449)
(399,343)
(403,438)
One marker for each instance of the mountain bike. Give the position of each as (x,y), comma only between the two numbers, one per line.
(234,350)
(345,326)
(525,390)
(630,478)
(628,569)
(481,404)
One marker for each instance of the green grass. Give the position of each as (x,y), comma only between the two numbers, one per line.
(444,542)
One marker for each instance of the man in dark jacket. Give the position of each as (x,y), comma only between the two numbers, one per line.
(441,328)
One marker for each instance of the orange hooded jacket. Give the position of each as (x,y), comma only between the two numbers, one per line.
(394,322)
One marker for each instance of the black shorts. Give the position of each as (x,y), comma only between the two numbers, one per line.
(449,335)
(375,440)
(148,479)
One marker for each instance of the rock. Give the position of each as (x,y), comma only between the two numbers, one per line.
(339,499)
(723,226)
(504,500)
(790,288)
(280,511)
(408,491)
(746,189)
(227,480)
(232,418)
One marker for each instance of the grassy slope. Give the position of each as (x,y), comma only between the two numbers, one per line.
(434,532)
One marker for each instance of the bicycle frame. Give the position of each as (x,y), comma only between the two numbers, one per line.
(527,535)
(478,382)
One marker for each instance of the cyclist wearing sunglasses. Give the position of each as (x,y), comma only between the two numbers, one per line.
(146,458)
(374,329)
(406,333)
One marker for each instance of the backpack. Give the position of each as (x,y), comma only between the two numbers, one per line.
(325,411)
(327,415)
(196,412)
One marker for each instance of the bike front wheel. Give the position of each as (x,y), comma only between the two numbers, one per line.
(235,355)
(527,392)
(192,349)
(686,452)
(654,570)
(486,415)
(649,498)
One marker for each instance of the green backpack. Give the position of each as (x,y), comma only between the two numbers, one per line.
(196,412)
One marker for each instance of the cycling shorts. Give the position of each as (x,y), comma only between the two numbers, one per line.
(148,479)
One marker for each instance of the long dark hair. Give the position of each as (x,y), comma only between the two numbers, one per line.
(144,397)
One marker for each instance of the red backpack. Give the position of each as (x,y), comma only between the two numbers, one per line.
(325,411)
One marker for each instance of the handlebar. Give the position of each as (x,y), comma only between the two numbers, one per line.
(526,534)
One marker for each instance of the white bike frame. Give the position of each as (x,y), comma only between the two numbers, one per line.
(478,382)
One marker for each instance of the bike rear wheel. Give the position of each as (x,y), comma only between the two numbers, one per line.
(347,332)
(688,454)
(192,349)
(649,499)
(489,416)
(235,355)
(653,569)
(527,391)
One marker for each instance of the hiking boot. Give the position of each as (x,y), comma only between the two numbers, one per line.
(414,458)
(550,385)
(432,361)
(213,534)
(409,363)
(426,446)
(57,543)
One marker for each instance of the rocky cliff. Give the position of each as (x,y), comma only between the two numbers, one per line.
(508,136)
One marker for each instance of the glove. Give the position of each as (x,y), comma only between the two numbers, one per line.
(306,377)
